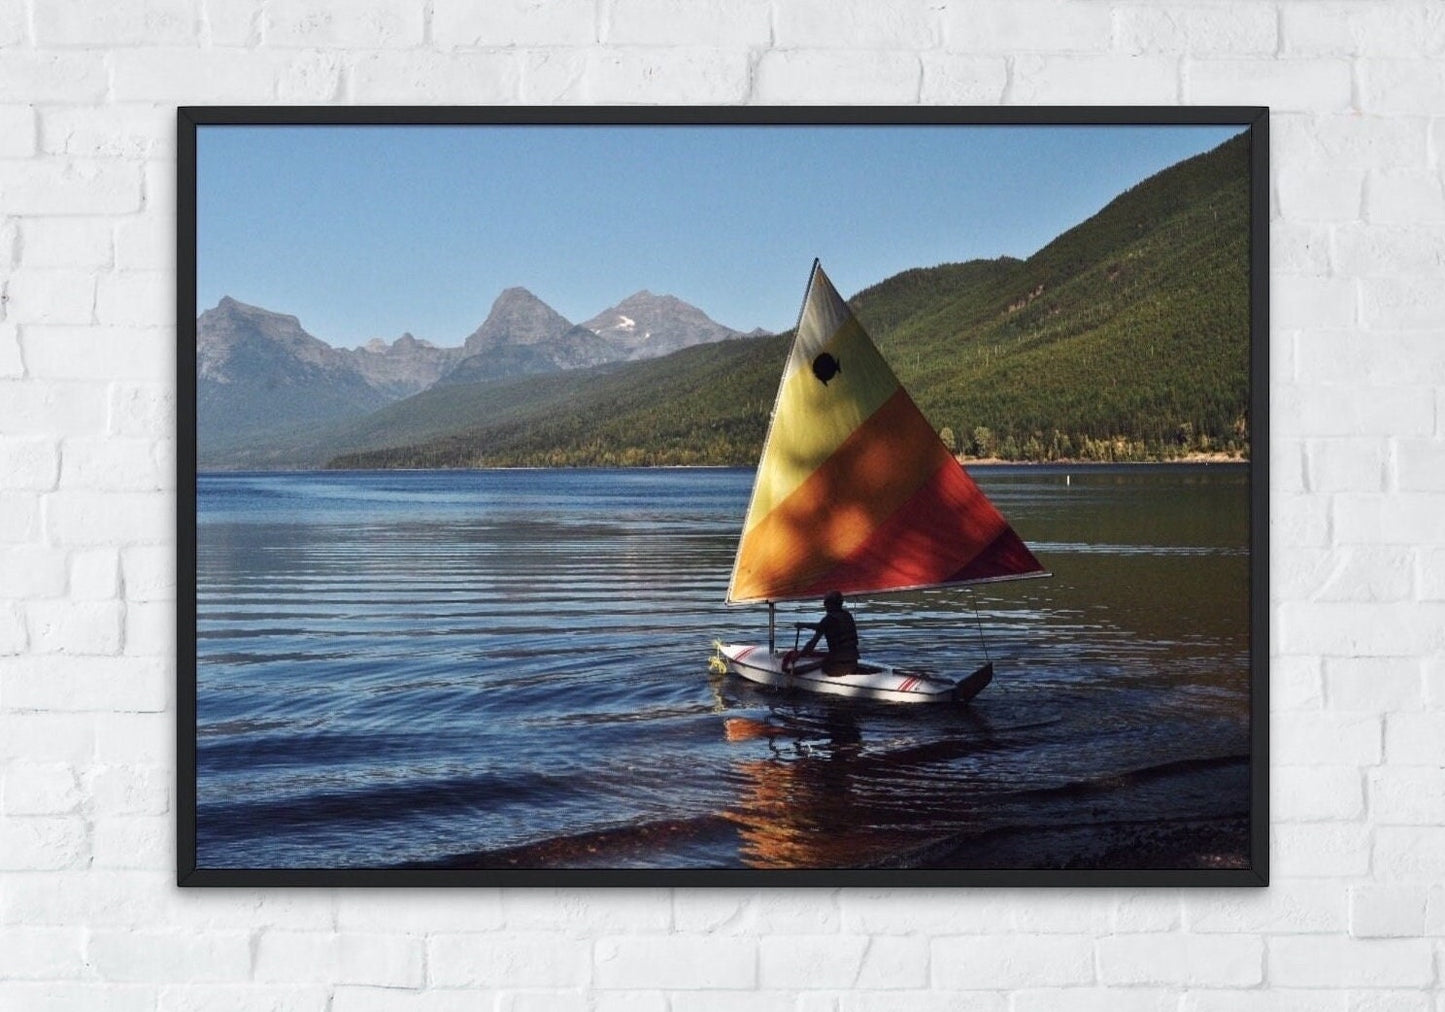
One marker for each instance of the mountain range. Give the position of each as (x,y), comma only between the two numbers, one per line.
(1125,338)
(264,384)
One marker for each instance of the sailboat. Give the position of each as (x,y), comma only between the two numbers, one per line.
(856,492)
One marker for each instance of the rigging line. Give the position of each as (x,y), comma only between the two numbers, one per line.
(973,597)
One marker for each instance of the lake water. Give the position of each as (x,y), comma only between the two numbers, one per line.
(510,669)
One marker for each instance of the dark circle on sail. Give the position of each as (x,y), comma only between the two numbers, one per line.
(825,367)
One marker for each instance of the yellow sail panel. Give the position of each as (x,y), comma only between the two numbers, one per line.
(855,491)
(833,381)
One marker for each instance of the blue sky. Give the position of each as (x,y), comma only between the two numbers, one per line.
(367,232)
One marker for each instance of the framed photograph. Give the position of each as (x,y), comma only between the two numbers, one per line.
(723,496)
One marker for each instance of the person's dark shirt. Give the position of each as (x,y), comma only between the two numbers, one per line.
(841,633)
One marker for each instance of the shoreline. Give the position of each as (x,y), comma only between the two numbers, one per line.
(1192,460)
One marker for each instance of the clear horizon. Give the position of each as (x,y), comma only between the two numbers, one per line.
(369,232)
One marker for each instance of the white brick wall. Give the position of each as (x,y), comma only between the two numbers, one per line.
(88,916)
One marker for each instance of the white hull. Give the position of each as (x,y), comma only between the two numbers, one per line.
(871,681)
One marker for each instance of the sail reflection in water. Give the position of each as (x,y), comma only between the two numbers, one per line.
(508,669)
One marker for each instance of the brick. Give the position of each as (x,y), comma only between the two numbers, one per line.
(1073,80)
(35,844)
(67,683)
(74,627)
(96,353)
(1387,911)
(135,842)
(1404,198)
(1386,358)
(363,959)
(1420,465)
(369,24)
(159,956)
(887,912)
(1375,250)
(149,573)
(377,999)
(12,364)
(150,629)
(797,962)
(1360,573)
(66,242)
(868,77)
(675,962)
(13,636)
(1146,910)
(46,738)
(1362,628)
(638,1001)
(1034,26)
(1410,853)
(1389,303)
(552,77)
(585,911)
(28,463)
(1402,518)
(42,295)
(58,186)
(141,409)
(127,131)
(1334,29)
(124,739)
(51,408)
(1375,684)
(1313,193)
(1209,960)
(128,790)
(27,74)
(1317,85)
(111,463)
(516,959)
(308,77)
(17,131)
(1348,140)
(33,788)
(177,75)
(431,77)
(1271,1000)
(1344,739)
(1321,849)
(853,24)
(78,23)
(1430,584)
(672,76)
(891,962)
(142,245)
(1011,961)
(932,1000)
(1095,999)
(242,998)
(134,298)
(1214,30)
(422,911)
(40,953)
(460,24)
(19,517)
(1312,793)
(1066,911)
(109,518)
(1295,684)
(93,574)
(950,78)
(1401,87)
(1415,739)
(14,23)
(1300,247)
(1291,906)
(1346,464)
(1329,961)
(736,24)
(1312,303)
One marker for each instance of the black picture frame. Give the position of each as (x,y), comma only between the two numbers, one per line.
(1254,120)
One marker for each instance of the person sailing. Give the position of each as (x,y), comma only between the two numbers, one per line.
(839,629)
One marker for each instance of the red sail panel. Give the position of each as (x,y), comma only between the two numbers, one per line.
(948,532)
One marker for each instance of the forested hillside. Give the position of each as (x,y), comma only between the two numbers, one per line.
(1127,338)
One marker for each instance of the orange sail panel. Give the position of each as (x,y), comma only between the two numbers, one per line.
(855,491)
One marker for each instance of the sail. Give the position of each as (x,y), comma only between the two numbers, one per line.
(855,491)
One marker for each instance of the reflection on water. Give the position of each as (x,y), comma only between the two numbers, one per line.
(509,669)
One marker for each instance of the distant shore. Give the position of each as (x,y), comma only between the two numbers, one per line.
(1188,458)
